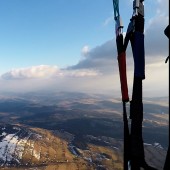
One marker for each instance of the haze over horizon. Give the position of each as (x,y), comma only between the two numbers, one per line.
(57,46)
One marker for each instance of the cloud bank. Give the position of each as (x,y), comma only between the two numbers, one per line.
(46,71)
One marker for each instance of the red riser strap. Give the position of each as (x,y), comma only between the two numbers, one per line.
(123,78)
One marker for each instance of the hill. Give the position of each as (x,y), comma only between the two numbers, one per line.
(24,148)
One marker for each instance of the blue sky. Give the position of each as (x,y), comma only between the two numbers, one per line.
(37,32)
(57,34)
(51,32)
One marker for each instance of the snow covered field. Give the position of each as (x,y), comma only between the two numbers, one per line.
(13,143)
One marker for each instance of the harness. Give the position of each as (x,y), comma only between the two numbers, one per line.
(134,157)
(123,79)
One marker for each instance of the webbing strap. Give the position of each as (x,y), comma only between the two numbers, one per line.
(136,114)
(123,78)
(126,139)
(116,8)
(137,42)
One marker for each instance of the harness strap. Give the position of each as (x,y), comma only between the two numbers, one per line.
(123,78)
(135,34)
(116,8)
(137,43)
(127,153)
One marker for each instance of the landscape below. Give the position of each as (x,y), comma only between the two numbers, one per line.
(74,131)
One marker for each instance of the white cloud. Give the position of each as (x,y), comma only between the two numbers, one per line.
(32,72)
(101,58)
(81,73)
(72,80)
(85,50)
(88,80)
(46,71)
(49,78)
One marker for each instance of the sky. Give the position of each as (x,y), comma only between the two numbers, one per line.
(63,45)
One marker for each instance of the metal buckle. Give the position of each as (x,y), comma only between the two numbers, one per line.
(138,7)
(119,26)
